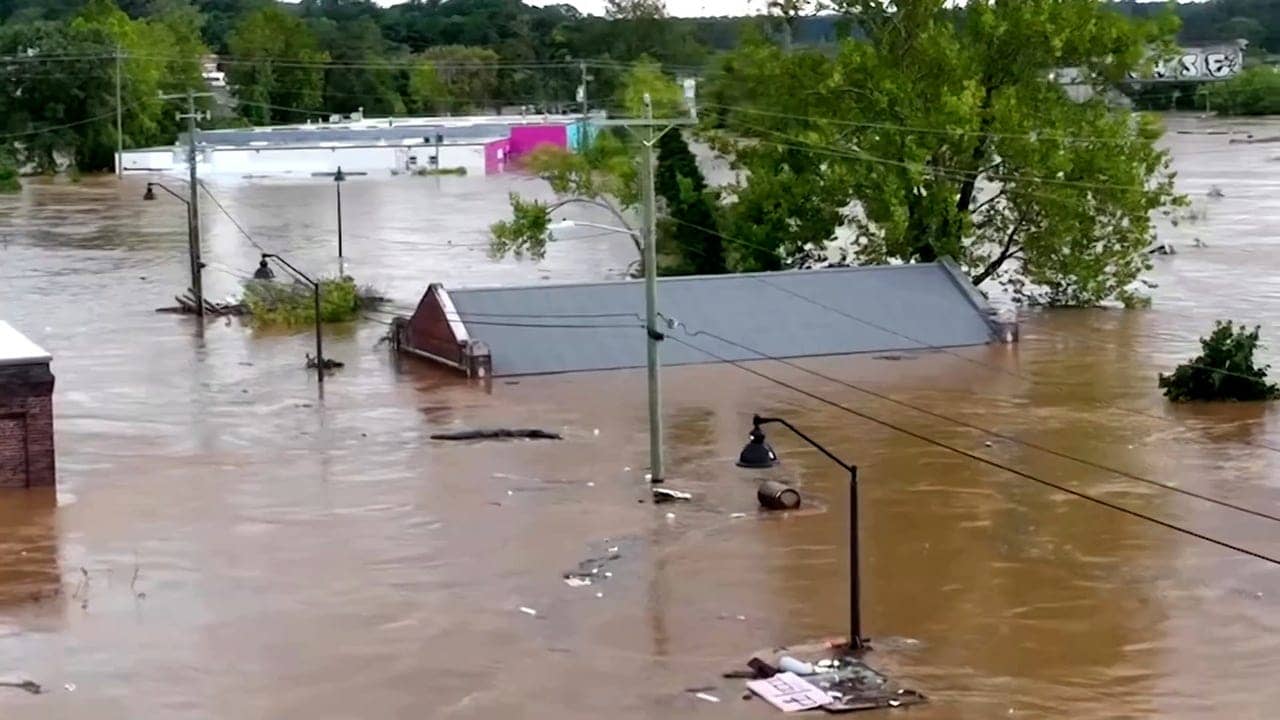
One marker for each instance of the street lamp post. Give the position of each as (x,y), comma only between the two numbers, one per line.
(315,287)
(757,454)
(339,178)
(193,241)
(657,469)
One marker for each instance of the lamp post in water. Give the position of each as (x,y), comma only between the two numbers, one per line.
(315,288)
(757,455)
(193,241)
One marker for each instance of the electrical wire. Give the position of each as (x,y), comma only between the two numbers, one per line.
(978,458)
(988,431)
(54,128)
(820,149)
(234,222)
(1034,135)
(926,346)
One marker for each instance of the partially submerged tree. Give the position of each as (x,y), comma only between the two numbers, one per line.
(1224,370)
(281,302)
(687,229)
(603,175)
(943,133)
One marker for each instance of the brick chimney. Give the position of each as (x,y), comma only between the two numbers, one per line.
(26,412)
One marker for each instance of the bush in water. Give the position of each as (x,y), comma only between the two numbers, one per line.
(1224,370)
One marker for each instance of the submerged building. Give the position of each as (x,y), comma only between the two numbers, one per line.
(790,314)
(475,145)
(26,412)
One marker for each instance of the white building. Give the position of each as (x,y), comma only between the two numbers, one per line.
(477,145)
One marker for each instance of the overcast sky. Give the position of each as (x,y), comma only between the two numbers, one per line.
(679,8)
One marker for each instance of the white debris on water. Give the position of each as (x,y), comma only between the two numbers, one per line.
(577,581)
(529,611)
(708,697)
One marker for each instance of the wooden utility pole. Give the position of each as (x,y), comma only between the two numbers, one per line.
(193,199)
(119,121)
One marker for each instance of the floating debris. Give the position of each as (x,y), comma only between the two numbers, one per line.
(666,495)
(774,495)
(789,692)
(590,570)
(671,516)
(529,611)
(735,516)
(30,686)
(498,434)
(708,697)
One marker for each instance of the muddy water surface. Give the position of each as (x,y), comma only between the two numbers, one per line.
(227,541)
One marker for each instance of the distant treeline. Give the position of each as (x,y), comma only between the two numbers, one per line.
(289,62)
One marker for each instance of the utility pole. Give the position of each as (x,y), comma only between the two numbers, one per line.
(650,235)
(193,201)
(582,91)
(119,121)
(584,135)
(648,238)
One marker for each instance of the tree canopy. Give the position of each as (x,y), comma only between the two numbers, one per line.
(943,135)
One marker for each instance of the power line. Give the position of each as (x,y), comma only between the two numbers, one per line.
(925,346)
(1034,135)
(989,431)
(821,149)
(234,222)
(973,456)
(54,128)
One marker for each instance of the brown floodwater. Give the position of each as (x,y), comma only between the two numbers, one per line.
(227,541)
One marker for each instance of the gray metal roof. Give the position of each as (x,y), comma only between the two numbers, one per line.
(567,328)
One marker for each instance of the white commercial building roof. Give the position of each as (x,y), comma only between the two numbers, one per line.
(16,349)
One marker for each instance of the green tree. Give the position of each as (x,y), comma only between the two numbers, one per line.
(687,232)
(647,78)
(1224,370)
(362,74)
(604,177)
(427,91)
(1256,91)
(57,110)
(278,72)
(468,76)
(942,134)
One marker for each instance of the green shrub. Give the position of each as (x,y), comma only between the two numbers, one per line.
(431,172)
(1256,91)
(9,182)
(1224,370)
(280,302)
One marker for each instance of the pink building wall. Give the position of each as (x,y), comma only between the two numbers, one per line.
(524,138)
(495,156)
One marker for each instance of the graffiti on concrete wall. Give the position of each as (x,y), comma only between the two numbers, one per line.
(1206,63)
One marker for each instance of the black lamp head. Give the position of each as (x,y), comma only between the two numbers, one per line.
(339,176)
(150,194)
(757,454)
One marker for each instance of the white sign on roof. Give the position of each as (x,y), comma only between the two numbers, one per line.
(16,349)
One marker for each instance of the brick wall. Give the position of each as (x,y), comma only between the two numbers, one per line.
(26,426)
